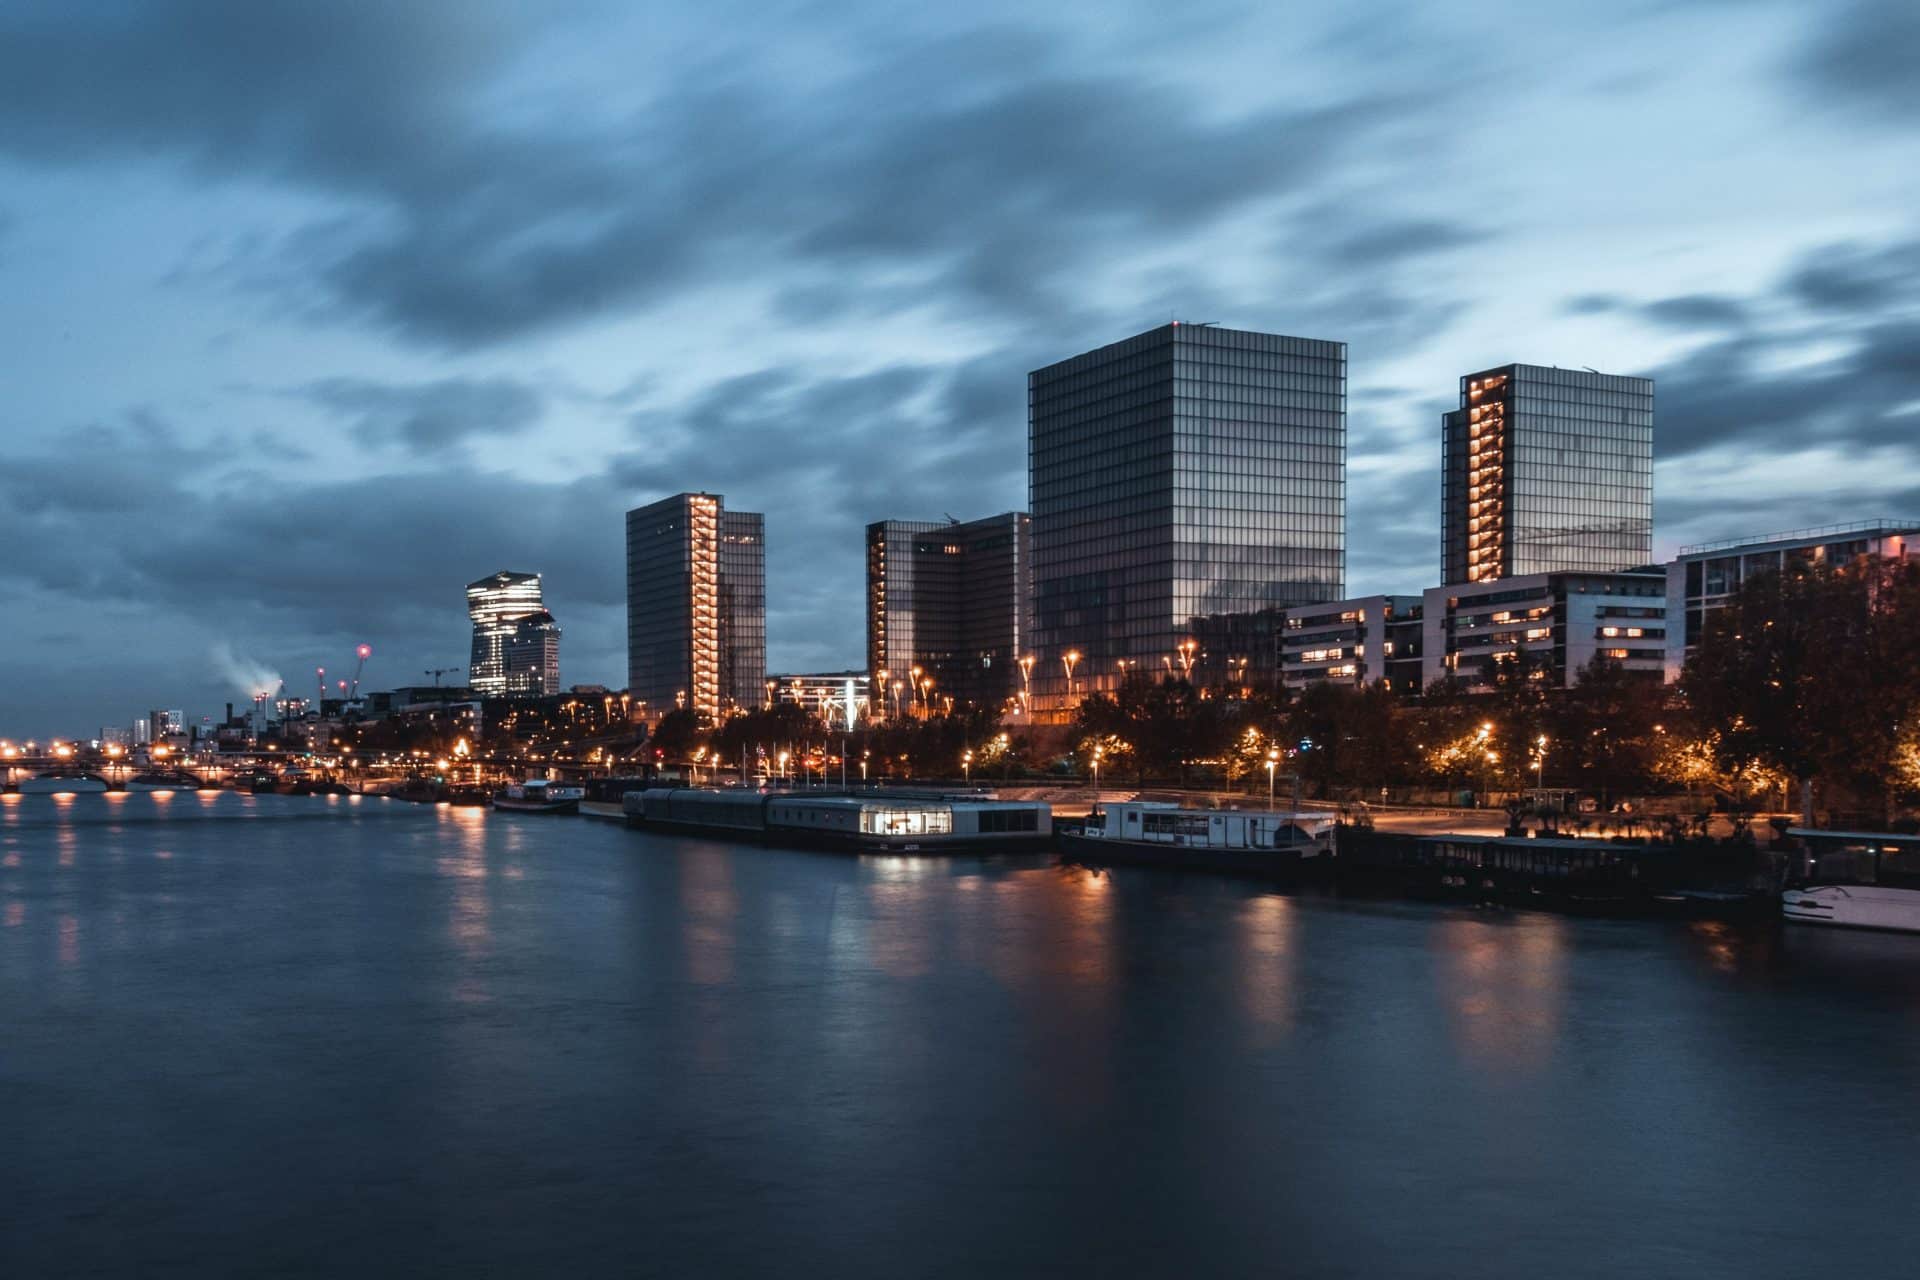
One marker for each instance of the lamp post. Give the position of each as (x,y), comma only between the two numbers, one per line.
(1187,648)
(1068,661)
(1097,751)
(1539,761)
(1026,684)
(966,765)
(1273,761)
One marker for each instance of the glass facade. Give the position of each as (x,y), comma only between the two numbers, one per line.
(1546,470)
(950,599)
(505,608)
(696,606)
(1177,478)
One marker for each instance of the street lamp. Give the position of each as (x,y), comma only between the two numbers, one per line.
(966,765)
(1273,762)
(1097,751)
(1026,684)
(1539,760)
(1067,660)
(1186,658)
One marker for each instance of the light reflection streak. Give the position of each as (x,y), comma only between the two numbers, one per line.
(1270,960)
(1503,987)
(711,904)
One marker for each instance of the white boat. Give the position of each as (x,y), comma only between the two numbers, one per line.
(1855,880)
(1157,833)
(62,782)
(539,796)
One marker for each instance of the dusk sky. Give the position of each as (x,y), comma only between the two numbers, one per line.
(311,314)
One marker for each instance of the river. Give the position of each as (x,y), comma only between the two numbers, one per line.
(334,1035)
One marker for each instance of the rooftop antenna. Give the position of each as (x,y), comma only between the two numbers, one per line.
(949,516)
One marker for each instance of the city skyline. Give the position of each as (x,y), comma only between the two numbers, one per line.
(301,371)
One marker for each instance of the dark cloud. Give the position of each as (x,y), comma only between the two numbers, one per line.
(1846,278)
(1863,55)
(427,417)
(1389,242)
(1592,304)
(992,173)
(1697,311)
(1758,388)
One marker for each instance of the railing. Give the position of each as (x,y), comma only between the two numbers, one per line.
(1879,524)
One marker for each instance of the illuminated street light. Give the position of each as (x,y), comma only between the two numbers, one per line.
(966,765)
(1068,660)
(1273,761)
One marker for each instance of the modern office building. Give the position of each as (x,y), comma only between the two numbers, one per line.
(1362,641)
(1185,474)
(1561,622)
(696,606)
(949,600)
(1546,471)
(1706,576)
(497,604)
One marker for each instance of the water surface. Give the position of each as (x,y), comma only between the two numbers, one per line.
(278,1035)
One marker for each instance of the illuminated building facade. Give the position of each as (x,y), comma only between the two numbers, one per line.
(497,604)
(1705,577)
(1363,641)
(533,657)
(1546,470)
(949,599)
(1556,624)
(696,606)
(1178,478)
(823,693)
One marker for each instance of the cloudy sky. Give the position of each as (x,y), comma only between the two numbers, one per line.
(313,313)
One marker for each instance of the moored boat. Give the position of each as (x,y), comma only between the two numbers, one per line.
(166,780)
(1162,834)
(538,796)
(1855,880)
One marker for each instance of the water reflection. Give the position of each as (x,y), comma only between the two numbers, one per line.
(710,908)
(1269,968)
(1503,986)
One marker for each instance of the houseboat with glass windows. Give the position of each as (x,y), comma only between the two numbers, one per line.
(1854,880)
(1162,834)
(537,795)
(865,821)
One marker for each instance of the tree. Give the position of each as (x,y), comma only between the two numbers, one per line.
(1812,671)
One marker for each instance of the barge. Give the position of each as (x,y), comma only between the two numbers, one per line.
(862,821)
(1855,880)
(1243,841)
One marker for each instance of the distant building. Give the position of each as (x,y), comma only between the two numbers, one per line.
(950,598)
(696,606)
(1183,475)
(1560,621)
(1705,577)
(516,643)
(533,657)
(1546,470)
(1363,641)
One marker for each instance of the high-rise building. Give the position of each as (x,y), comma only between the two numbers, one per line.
(533,657)
(1545,471)
(696,605)
(949,599)
(499,605)
(1179,477)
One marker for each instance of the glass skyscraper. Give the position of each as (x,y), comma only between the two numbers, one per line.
(516,645)
(696,606)
(949,598)
(1178,478)
(1546,471)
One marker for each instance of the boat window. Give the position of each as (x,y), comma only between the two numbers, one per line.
(906,822)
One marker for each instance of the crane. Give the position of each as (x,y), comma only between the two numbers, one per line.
(437,672)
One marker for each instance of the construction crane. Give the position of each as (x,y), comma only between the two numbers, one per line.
(437,672)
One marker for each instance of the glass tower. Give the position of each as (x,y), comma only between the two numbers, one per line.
(1545,471)
(696,605)
(497,604)
(951,600)
(1179,478)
